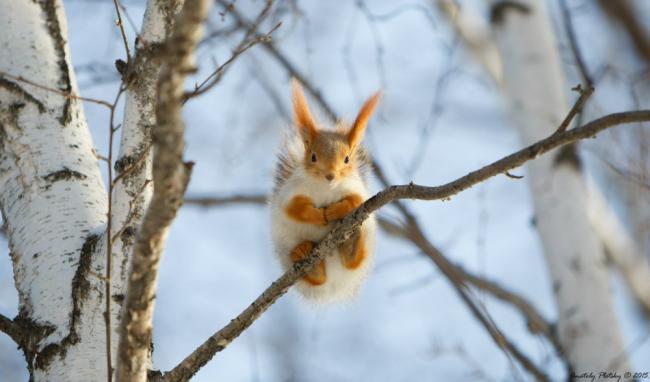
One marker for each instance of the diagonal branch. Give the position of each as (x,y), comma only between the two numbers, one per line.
(623,12)
(537,324)
(170,177)
(209,201)
(492,329)
(346,228)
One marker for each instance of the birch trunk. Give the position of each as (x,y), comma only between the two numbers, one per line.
(52,197)
(587,324)
(621,247)
(132,192)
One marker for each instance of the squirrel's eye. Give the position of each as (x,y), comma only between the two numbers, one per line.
(313,157)
(346,160)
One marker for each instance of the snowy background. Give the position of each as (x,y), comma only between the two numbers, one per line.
(441,116)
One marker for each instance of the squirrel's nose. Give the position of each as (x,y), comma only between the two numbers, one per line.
(329,177)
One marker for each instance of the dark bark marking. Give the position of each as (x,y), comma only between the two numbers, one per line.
(54,28)
(568,155)
(19,91)
(80,289)
(498,11)
(64,174)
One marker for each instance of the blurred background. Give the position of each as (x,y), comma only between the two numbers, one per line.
(441,116)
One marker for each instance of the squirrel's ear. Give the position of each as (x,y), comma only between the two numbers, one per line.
(356,131)
(302,117)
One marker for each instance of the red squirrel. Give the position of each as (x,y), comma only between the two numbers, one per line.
(320,178)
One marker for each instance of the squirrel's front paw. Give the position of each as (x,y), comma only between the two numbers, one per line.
(336,211)
(343,207)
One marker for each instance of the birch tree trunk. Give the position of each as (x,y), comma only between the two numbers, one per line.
(132,192)
(587,323)
(622,249)
(52,197)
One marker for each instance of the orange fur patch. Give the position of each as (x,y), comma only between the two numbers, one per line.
(343,207)
(356,131)
(316,276)
(301,115)
(301,208)
(358,254)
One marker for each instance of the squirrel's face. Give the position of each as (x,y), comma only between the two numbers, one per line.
(329,157)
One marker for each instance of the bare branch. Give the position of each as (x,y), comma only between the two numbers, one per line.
(272,49)
(251,38)
(537,324)
(109,239)
(64,94)
(623,12)
(573,43)
(582,99)
(10,328)
(170,177)
(345,228)
(209,201)
(122,32)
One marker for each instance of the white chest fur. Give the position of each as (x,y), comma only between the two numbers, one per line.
(287,233)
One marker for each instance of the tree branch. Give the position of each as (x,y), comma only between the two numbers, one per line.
(271,48)
(537,324)
(623,12)
(10,328)
(170,176)
(250,39)
(209,201)
(346,228)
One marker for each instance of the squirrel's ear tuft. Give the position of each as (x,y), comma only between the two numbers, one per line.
(356,131)
(302,117)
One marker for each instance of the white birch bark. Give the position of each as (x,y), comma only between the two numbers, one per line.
(587,324)
(621,247)
(132,193)
(52,197)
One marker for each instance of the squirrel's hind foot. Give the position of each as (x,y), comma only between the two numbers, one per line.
(316,276)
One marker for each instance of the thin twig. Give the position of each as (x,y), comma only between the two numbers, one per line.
(513,176)
(272,49)
(209,201)
(129,213)
(580,102)
(623,12)
(66,95)
(346,228)
(122,32)
(141,158)
(251,38)
(536,322)
(573,43)
(109,238)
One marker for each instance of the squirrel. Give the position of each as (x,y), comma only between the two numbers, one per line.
(321,176)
